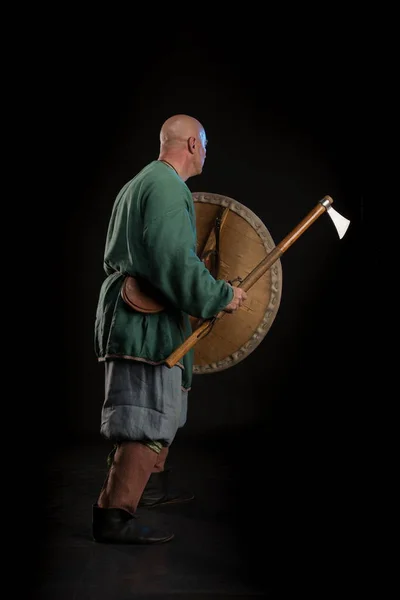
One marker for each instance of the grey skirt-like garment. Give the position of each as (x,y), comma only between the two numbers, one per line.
(142,402)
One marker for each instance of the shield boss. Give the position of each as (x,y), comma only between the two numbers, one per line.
(232,241)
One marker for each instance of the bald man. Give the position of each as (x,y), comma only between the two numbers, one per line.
(151,237)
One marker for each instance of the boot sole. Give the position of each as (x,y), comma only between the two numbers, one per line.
(165,503)
(136,543)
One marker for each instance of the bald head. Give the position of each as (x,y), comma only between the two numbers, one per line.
(177,129)
(183,144)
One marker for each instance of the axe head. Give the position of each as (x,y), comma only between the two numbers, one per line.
(338,220)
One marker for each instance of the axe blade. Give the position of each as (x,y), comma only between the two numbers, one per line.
(340,222)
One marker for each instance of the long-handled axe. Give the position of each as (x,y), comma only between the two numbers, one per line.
(341,225)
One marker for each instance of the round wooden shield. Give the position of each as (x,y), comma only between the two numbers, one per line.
(229,231)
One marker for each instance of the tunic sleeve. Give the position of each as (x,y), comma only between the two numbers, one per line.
(176,269)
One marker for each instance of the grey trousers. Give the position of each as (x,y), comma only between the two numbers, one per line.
(142,402)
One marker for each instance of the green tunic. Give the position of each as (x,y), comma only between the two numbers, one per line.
(152,234)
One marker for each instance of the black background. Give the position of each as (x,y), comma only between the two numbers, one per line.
(283,130)
(287,123)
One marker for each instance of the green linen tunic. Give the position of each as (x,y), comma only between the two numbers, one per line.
(152,234)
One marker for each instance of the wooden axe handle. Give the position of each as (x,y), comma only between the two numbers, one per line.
(253,277)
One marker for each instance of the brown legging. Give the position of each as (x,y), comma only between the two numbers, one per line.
(132,465)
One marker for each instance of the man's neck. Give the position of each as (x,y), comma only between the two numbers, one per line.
(177,163)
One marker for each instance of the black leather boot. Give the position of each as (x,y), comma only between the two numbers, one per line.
(118,526)
(158,491)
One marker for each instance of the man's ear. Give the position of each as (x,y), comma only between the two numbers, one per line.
(191,144)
